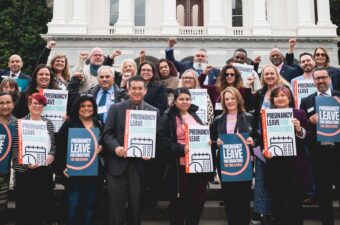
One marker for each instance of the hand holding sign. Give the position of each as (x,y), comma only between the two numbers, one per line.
(314,119)
(49,160)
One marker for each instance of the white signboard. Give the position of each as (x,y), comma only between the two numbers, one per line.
(199,158)
(55,110)
(199,97)
(278,132)
(140,133)
(34,142)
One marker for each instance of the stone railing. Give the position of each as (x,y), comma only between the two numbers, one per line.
(192,31)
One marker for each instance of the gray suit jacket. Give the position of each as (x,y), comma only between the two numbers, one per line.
(114,136)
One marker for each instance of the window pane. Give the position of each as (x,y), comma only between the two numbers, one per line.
(114,11)
(139,12)
(237,13)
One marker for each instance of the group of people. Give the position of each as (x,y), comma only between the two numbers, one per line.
(98,97)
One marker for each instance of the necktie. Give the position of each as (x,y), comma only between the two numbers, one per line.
(198,72)
(323,94)
(102,102)
(13,75)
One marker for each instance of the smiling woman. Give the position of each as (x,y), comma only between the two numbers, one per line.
(6,107)
(84,115)
(42,78)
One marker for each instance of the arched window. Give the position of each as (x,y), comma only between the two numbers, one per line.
(114,11)
(190,12)
(139,12)
(237,13)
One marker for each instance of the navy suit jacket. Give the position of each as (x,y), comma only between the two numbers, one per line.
(113,137)
(183,66)
(308,105)
(6,73)
(288,72)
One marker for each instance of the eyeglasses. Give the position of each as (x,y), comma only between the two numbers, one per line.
(2,104)
(321,78)
(146,70)
(97,55)
(320,55)
(200,56)
(87,95)
(188,78)
(229,74)
(37,104)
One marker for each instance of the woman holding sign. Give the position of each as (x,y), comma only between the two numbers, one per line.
(190,81)
(42,78)
(234,119)
(34,183)
(287,177)
(261,100)
(187,191)
(7,104)
(81,189)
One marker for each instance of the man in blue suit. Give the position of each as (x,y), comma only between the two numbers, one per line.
(287,72)
(199,63)
(325,156)
(15,64)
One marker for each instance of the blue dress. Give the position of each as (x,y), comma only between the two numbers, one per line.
(262,197)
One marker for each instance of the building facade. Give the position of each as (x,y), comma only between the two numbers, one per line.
(219,26)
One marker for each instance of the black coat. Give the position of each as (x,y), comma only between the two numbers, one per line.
(169,149)
(156,96)
(62,138)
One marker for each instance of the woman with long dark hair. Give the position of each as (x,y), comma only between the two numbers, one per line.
(42,78)
(81,190)
(187,192)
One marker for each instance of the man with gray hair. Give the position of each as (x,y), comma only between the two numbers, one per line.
(106,92)
(89,72)
(287,72)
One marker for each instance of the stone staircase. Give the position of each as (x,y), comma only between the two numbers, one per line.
(213,208)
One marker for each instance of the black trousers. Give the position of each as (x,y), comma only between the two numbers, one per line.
(33,196)
(236,197)
(327,169)
(188,206)
(124,193)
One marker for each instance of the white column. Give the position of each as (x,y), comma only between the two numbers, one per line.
(324,14)
(125,23)
(306,23)
(324,27)
(215,24)
(59,24)
(79,12)
(59,9)
(260,25)
(169,24)
(305,13)
(100,22)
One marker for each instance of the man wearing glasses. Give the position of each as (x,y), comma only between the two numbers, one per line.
(325,156)
(199,64)
(106,92)
(88,73)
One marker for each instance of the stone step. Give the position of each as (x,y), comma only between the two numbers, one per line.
(213,210)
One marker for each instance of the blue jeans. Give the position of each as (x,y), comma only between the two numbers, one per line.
(81,196)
